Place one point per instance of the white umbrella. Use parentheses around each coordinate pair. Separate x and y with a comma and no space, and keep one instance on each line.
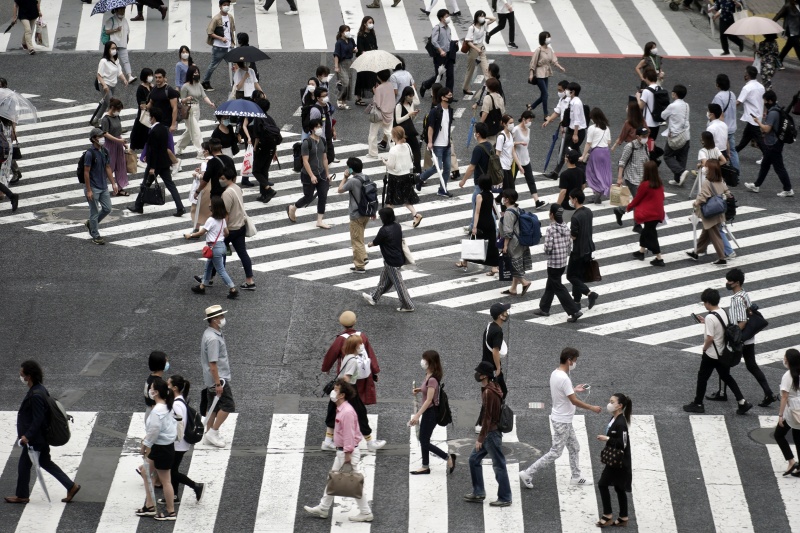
(754,26)
(148,480)
(17,108)
(375,61)
(34,455)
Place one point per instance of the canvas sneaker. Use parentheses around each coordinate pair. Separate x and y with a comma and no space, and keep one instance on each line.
(526,479)
(316,511)
(786,194)
(214,439)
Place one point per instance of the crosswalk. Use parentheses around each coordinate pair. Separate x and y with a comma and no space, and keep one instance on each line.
(294,467)
(637,302)
(578,27)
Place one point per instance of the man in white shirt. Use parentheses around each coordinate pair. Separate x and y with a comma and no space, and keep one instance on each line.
(713,346)
(564,403)
(220,36)
(646,100)
(439,124)
(718,129)
(751,98)
(677,116)
(558,113)
(727,102)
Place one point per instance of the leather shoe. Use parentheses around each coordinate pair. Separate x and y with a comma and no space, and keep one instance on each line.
(14,499)
(71,493)
(134,210)
(179,213)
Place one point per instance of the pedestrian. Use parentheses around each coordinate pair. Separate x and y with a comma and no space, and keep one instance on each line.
(428,414)
(577,118)
(541,68)
(597,155)
(739,312)
(366,41)
(221,37)
(676,151)
(559,112)
(182,66)
(343,52)
(562,394)
(404,114)
(225,134)
(323,110)
(727,102)
(108,74)
(494,348)
(152,4)
(790,13)
(505,14)
(445,52)
(790,400)
(751,99)
(650,59)
(199,210)
(520,254)
(400,79)
(383,99)
(767,54)
(390,240)
(118,31)
(265,148)
(236,236)
(522,136)
(631,164)
(645,97)
(353,181)
(243,39)
(32,425)
(245,81)
(634,120)
(572,178)
(772,147)
(708,152)
(216,376)
(215,167)
(504,148)
(180,390)
(158,164)
(713,345)
(314,175)
(214,229)
(557,247)
(115,145)
(440,122)
(6,165)
(292,7)
(718,129)
(713,185)
(489,442)
(346,438)
(192,93)
(476,35)
(165,99)
(616,437)
(492,109)
(158,447)
(139,131)
(96,170)
(27,11)
(452,3)
(723,11)
(158,364)
(12,135)
(478,166)
(649,213)
(582,248)
(484,226)
(400,175)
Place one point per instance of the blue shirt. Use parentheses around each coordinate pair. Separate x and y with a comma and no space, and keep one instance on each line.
(97,160)
(344,49)
(180,73)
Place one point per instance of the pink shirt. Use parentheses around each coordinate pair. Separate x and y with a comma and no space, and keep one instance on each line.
(346,433)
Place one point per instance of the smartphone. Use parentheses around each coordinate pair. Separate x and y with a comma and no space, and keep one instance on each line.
(696,318)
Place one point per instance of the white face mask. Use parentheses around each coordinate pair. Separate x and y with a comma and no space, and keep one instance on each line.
(325,100)
(348,35)
(318,132)
(561,94)
(573,364)
(184,56)
(166,367)
(446,20)
(481,20)
(113,52)
(152,394)
(222,323)
(510,126)
(149,79)
(120,15)
(225,9)
(223,183)
(22,379)
(653,51)
(370,26)
(101,141)
(334,396)
(547,41)
(424,364)
(572,204)
(611,408)
(311,88)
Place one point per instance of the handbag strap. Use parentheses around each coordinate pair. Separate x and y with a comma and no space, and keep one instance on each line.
(222,227)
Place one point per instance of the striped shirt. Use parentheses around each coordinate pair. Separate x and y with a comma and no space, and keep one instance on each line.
(740,303)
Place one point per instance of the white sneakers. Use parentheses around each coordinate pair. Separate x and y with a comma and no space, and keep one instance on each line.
(317,511)
(579,481)
(328,445)
(213,438)
(526,479)
(362,517)
(751,186)
(683,177)
(291,13)
(786,194)
(368,298)
(373,445)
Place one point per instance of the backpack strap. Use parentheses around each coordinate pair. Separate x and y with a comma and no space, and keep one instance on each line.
(713,342)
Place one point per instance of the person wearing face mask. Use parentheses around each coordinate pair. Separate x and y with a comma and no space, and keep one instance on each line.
(314,175)
(216,231)
(225,134)
(676,151)
(504,148)
(343,52)
(244,81)
(541,68)
(180,389)
(572,178)
(216,166)
(346,437)
(522,135)
(216,376)
(31,432)
(578,118)
(404,114)
(564,399)
(648,208)
(292,7)
(597,155)
(476,35)
(493,348)
(158,447)
(521,260)
(366,41)
(631,163)
(428,413)
(182,66)
(321,109)
(400,179)
(789,412)
(618,476)
(192,93)
(400,79)
(560,113)
(445,52)
(139,132)
(384,101)
(440,120)
(580,227)
(557,247)
(118,31)
(221,36)
(96,170)
(505,14)
(158,364)
(115,145)
(353,182)
(244,40)
(108,74)
(723,11)
(772,147)
(650,59)
(390,240)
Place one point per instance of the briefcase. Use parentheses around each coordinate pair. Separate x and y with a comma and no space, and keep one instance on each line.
(345,482)
(592,272)
(153,194)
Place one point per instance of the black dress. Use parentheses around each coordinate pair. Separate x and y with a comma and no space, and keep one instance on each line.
(617,438)
(365,81)
(412,136)
(487,229)
(139,132)
(228,140)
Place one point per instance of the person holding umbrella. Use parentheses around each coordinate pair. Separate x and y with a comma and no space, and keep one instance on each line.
(27,11)
(31,426)
(118,31)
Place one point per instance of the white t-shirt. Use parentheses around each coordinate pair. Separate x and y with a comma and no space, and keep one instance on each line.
(400,80)
(560,390)
(504,145)
(443,138)
(719,130)
(649,101)
(522,150)
(120,38)
(109,71)
(727,102)
(350,368)
(752,98)
(179,409)
(717,330)
(213,229)
(476,35)
(561,106)
(249,84)
(794,397)
(597,138)
(226,25)
(502,7)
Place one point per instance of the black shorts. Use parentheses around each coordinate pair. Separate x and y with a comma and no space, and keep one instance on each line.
(162,455)
(225,402)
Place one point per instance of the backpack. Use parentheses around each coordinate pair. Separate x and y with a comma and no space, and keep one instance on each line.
(81,165)
(430,48)
(267,131)
(787,132)
(193,425)
(732,350)
(444,414)
(297,154)
(363,363)
(368,202)
(506,422)
(493,118)
(57,432)
(494,169)
(530,229)
(660,102)
(305,116)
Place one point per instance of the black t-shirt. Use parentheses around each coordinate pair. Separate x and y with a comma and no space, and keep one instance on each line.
(480,158)
(214,170)
(389,238)
(160,97)
(572,178)
(492,338)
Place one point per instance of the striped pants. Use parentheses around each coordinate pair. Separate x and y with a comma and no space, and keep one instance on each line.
(391,277)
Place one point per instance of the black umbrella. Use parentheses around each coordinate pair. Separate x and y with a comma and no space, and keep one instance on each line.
(249,54)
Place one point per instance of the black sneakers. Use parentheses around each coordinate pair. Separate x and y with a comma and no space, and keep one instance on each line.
(592,298)
(744,407)
(207,86)
(694,408)
(768,400)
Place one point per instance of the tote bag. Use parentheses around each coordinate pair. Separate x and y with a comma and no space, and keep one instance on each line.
(473,249)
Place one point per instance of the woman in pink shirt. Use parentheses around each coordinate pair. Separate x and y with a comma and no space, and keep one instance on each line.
(429,412)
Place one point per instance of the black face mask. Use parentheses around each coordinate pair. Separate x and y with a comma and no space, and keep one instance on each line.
(729,286)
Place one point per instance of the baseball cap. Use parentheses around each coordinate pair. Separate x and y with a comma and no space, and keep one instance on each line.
(498,309)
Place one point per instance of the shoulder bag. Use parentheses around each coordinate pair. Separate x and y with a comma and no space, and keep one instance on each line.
(250,227)
(329,386)
(676,142)
(153,194)
(714,206)
(611,456)
(208,251)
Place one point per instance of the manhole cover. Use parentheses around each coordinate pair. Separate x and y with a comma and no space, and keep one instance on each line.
(765,436)
(70,215)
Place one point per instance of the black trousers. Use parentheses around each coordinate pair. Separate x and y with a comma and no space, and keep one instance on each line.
(262,159)
(773,158)
(527,171)
(360,409)
(321,188)
(236,238)
(622,498)
(724,24)
(576,271)
(449,66)
(45,462)
(780,438)
(791,42)
(291,3)
(648,239)
(568,143)
(749,356)
(750,133)
(555,287)
(176,476)
(502,18)
(413,143)
(707,367)
(166,177)
(5,190)
(426,426)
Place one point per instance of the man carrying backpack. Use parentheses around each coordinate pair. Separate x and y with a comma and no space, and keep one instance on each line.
(96,170)
(354,182)
(265,148)
(775,135)
(32,422)
(652,101)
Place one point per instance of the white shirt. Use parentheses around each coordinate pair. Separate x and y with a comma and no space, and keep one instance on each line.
(179,409)
(597,138)
(120,38)
(793,400)
(704,155)
(109,71)
(505,144)
(522,150)
(577,118)
(560,390)
(561,106)
(727,102)
(214,230)
(677,116)
(443,138)
(249,84)
(649,101)
(752,98)
(400,80)
(503,7)
(717,330)
(400,161)
(476,35)
(226,25)
(719,130)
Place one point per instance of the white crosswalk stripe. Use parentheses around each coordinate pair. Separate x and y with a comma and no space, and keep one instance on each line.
(427,504)
(401,28)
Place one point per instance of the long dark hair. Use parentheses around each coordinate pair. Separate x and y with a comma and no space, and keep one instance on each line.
(387,216)
(647,47)
(181,50)
(651,175)
(363,29)
(634,116)
(434,364)
(180,383)
(107,52)
(627,405)
(793,358)
(713,171)
(190,73)
(599,118)
(164,392)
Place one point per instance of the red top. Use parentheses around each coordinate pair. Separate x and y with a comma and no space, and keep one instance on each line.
(365,387)
(648,204)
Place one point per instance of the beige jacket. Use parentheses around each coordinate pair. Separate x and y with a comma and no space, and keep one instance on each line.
(542,62)
(708,190)
(216,21)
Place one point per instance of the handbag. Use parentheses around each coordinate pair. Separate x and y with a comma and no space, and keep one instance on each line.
(465,47)
(504,268)
(345,482)
(131,163)
(153,194)
(755,323)
(676,142)
(42,37)
(592,274)
(208,251)
(144,116)
(332,383)
(612,457)
(250,228)
(716,205)
(247,162)
(741,14)
(473,249)
(619,196)
(407,253)
(375,115)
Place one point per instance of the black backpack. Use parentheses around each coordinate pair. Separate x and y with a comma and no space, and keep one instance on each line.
(787,132)
(506,422)
(193,428)
(305,116)
(734,345)
(444,415)
(297,154)
(57,432)
(368,203)
(493,118)
(79,172)
(660,102)
(267,131)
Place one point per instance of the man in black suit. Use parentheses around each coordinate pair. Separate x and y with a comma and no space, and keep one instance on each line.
(158,163)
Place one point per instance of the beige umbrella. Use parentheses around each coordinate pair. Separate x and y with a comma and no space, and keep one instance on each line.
(375,61)
(754,26)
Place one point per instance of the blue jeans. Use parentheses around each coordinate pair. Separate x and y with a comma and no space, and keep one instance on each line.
(218,262)
(734,155)
(102,197)
(542,84)
(217,55)
(442,154)
(725,242)
(493,447)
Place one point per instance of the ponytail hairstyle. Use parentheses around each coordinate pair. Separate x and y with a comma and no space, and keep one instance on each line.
(793,358)
(164,392)
(180,383)
(627,405)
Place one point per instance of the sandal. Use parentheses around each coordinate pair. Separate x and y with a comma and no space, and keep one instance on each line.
(604,521)
(417,219)
(491,273)
(461,264)
(146,511)
(122,192)
(171,517)
(508,292)
(619,522)
(525,288)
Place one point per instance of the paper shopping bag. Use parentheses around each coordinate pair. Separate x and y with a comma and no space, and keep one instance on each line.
(474,249)
(247,162)
(620,196)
